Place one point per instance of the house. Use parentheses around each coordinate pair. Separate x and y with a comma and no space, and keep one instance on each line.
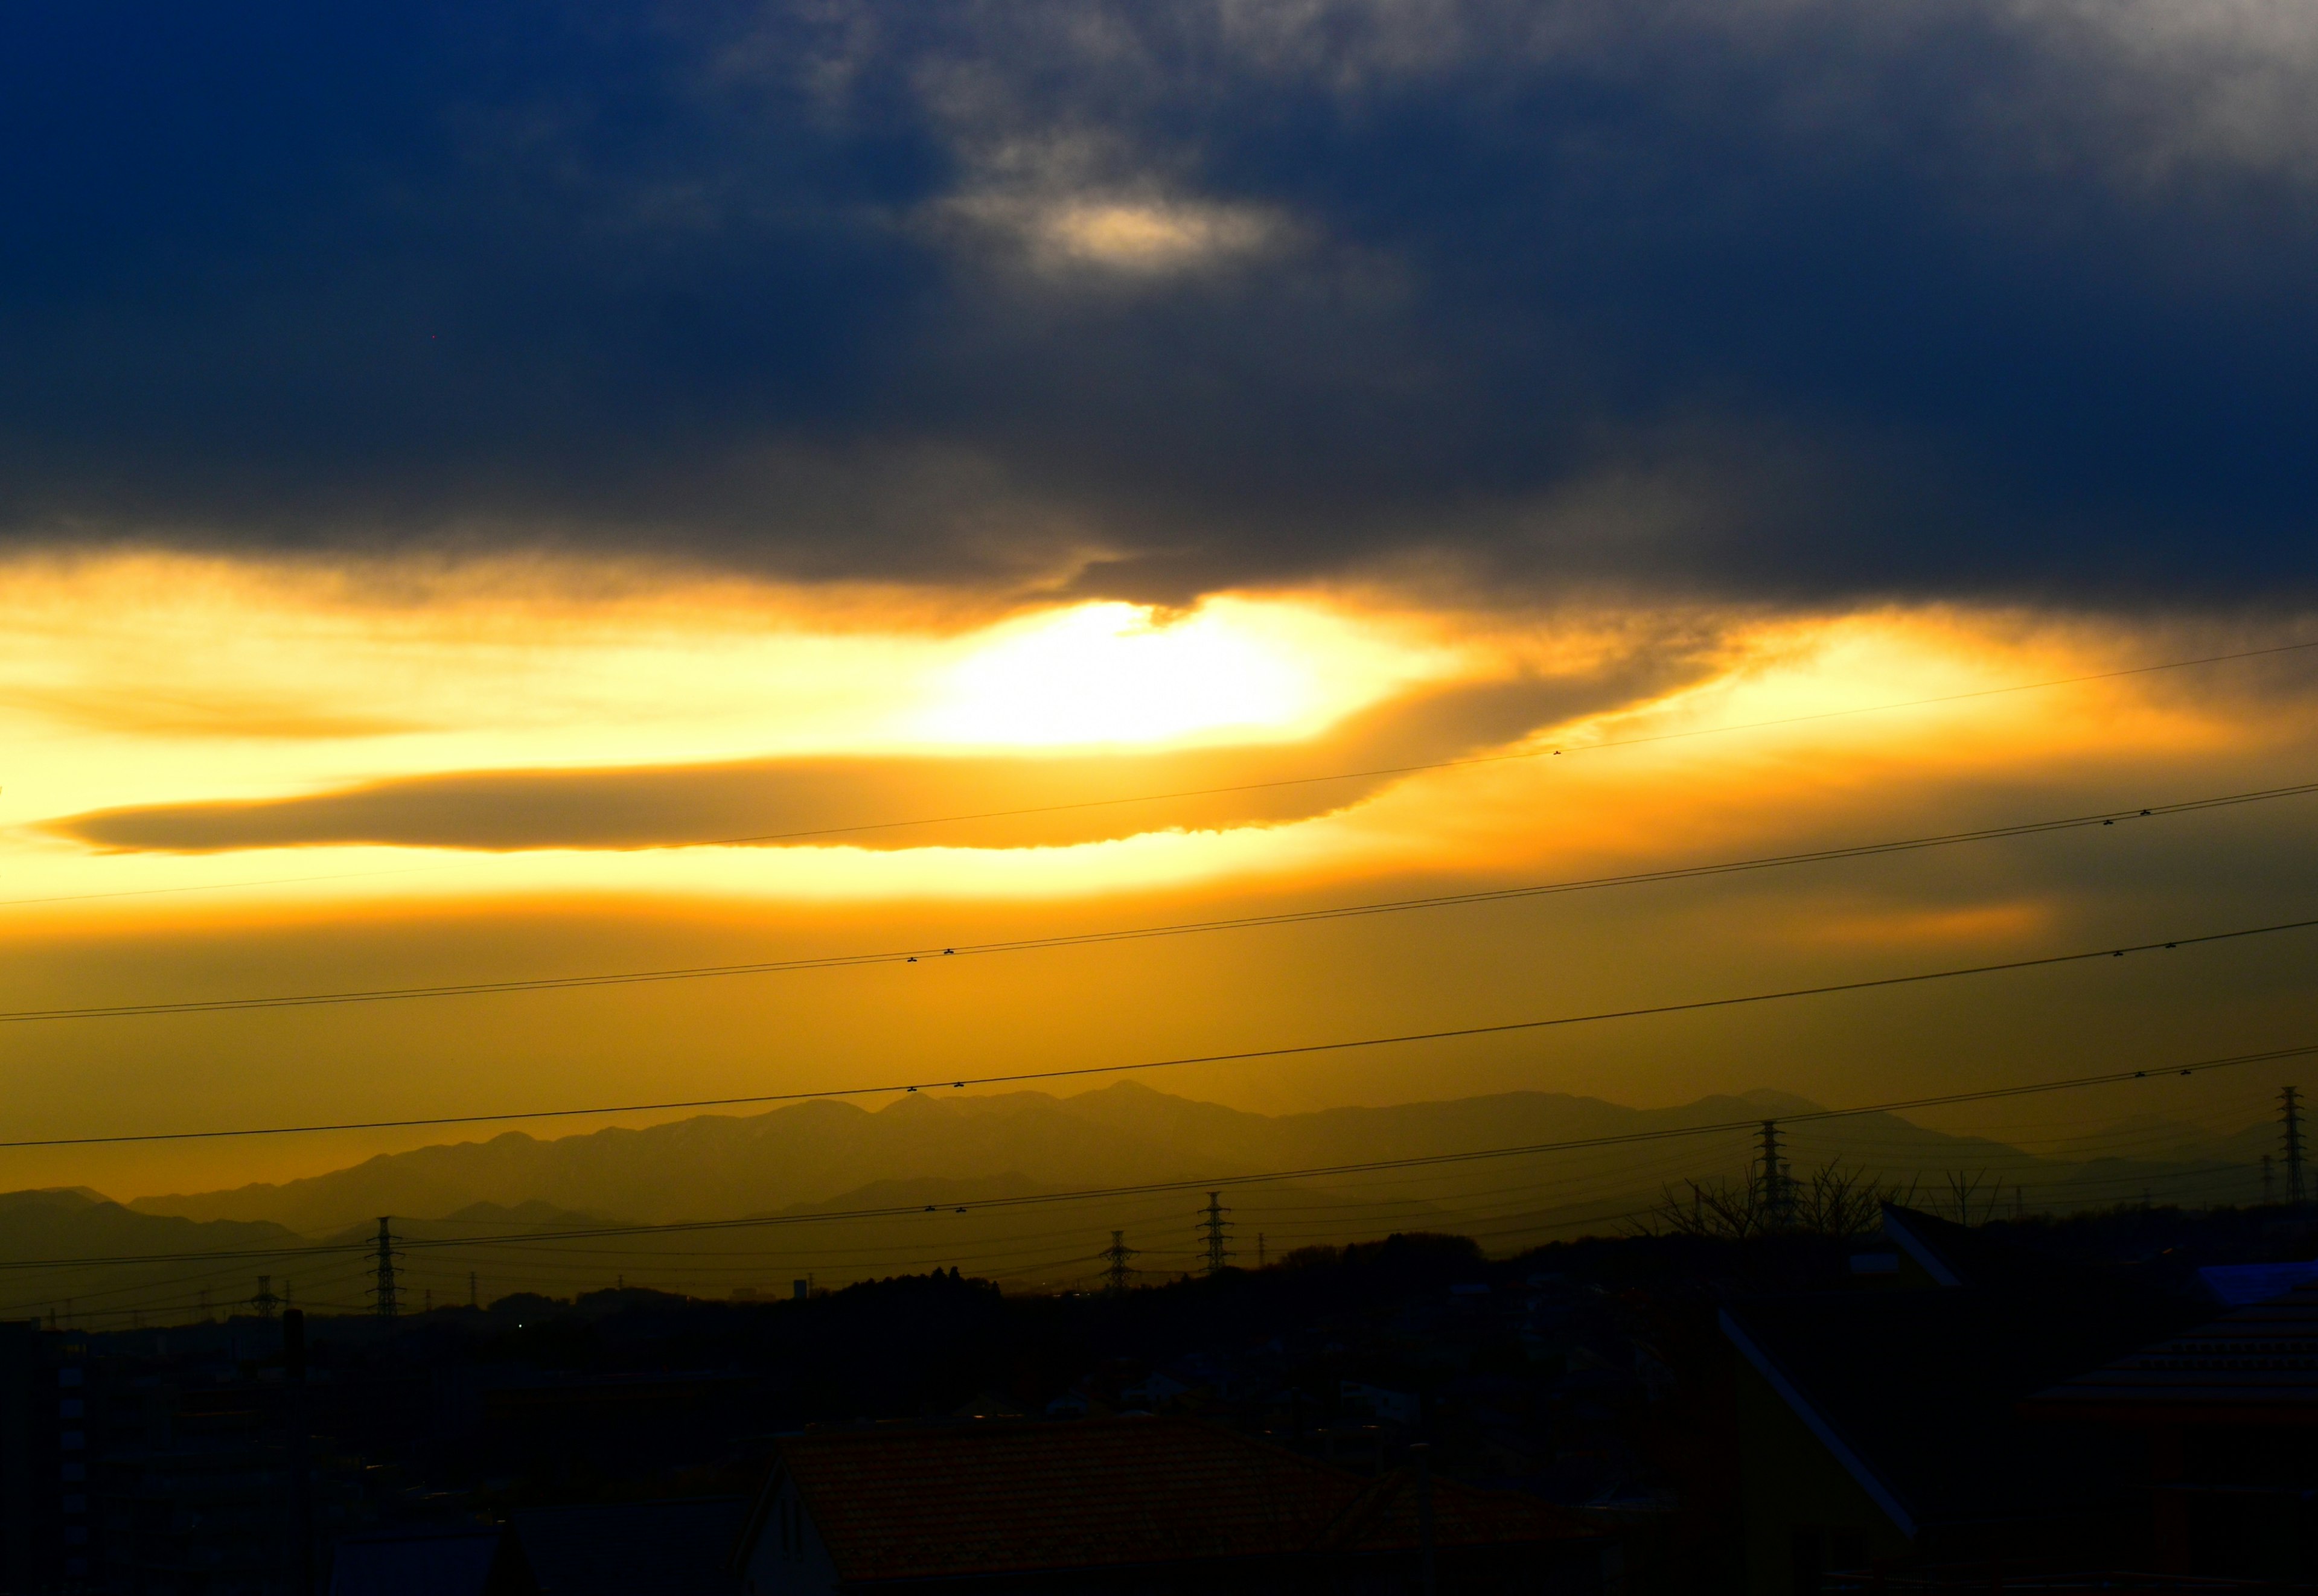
(1929,1250)
(677,1547)
(44,1425)
(2223,1420)
(453,1562)
(1884,1427)
(1151,1505)
(1376,1401)
(2235,1284)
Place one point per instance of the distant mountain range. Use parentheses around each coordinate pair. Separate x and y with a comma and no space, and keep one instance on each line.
(721,1166)
(74,1222)
(830,1191)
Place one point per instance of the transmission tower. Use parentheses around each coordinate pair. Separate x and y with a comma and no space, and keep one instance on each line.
(2290,1101)
(1215,1228)
(1116,1270)
(266,1302)
(386,1296)
(1774,1193)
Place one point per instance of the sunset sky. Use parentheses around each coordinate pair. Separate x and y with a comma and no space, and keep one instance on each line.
(489,493)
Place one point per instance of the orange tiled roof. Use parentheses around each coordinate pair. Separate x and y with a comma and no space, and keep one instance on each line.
(949,1501)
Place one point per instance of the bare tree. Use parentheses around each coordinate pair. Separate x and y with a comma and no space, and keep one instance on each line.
(1842,1203)
(1973,1205)
(1832,1201)
(1732,1211)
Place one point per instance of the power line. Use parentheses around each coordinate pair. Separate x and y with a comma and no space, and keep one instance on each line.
(1502,1027)
(1141,933)
(1537,753)
(1322,1215)
(1450,1034)
(1215,1182)
(1564,1215)
(1463,1215)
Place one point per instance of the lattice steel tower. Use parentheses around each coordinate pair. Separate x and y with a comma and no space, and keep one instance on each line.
(1116,1270)
(1216,1229)
(386,1296)
(1776,1198)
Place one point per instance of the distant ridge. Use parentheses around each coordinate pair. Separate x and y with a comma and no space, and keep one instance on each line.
(72,1221)
(722,1166)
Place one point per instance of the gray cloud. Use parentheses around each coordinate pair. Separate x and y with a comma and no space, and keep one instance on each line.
(855,802)
(1779,297)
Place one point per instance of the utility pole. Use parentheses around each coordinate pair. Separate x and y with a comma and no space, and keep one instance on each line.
(1775,1178)
(2291,1101)
(301,1480)
(470,1290)
(1215,1225)
(1427,1569)
(386,1296)
(1116,1255)
(1259,1249)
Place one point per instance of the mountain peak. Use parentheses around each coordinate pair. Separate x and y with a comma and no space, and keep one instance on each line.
(55,1196)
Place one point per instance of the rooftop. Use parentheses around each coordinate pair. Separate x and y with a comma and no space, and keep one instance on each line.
(1918,1392)
(2258,1363)
(918,1502)
(674,1547)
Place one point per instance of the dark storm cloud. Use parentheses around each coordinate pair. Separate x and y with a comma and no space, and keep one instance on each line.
(857,801)
(1782,297)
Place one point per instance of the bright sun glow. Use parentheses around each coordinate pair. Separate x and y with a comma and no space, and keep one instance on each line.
(1107,673)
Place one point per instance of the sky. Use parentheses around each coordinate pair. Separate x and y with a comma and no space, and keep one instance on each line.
(500,491)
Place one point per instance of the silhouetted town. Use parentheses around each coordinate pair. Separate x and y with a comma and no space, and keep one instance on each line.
(2120,1400)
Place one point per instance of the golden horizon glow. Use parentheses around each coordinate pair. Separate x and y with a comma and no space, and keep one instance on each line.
(1115,673)
(1687,736)
(96,706)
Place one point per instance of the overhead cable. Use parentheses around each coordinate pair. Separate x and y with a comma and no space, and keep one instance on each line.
(929,953)
(1018,1077)
(1197,1183)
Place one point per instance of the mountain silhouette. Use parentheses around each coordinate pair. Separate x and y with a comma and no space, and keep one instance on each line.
(725,1166)
(825,1192)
